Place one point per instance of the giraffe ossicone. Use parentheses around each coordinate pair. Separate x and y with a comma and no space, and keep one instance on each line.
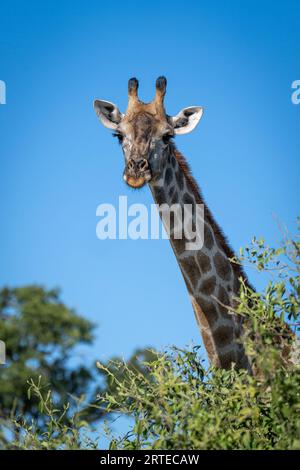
(146,133)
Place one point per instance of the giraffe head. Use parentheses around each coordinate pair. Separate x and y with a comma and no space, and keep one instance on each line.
(145,130)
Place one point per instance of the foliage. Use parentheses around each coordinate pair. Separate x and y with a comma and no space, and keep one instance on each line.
(175,402)
(182,405)
(41,334)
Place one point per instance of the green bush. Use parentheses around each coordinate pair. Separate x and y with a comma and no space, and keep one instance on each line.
(176,402)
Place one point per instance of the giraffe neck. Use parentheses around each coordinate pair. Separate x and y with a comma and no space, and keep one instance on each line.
(211,279)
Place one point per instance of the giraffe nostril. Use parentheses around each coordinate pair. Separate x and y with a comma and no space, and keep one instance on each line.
(143,164)
(130,165)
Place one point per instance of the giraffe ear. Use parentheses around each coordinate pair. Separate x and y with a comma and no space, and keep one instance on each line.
(188,118)
(108,113)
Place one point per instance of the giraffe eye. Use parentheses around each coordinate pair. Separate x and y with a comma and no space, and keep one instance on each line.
(119,136)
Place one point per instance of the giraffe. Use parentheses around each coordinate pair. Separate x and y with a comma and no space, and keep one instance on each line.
(146,133)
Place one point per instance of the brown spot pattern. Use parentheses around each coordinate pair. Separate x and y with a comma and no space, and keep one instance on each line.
(160,196)
(222,266)
(174,198)
(209,309)
(179,179)
(171,191)
(224,299)
(204,262)
(179,245)
(208,285)
(168,176)
(223,336)
(227,359)
(191,270)
(187,199)
(208,237)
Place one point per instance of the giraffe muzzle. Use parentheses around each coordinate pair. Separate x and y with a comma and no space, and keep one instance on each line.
(137,172)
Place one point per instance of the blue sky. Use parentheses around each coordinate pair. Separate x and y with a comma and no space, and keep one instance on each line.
(57,163)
